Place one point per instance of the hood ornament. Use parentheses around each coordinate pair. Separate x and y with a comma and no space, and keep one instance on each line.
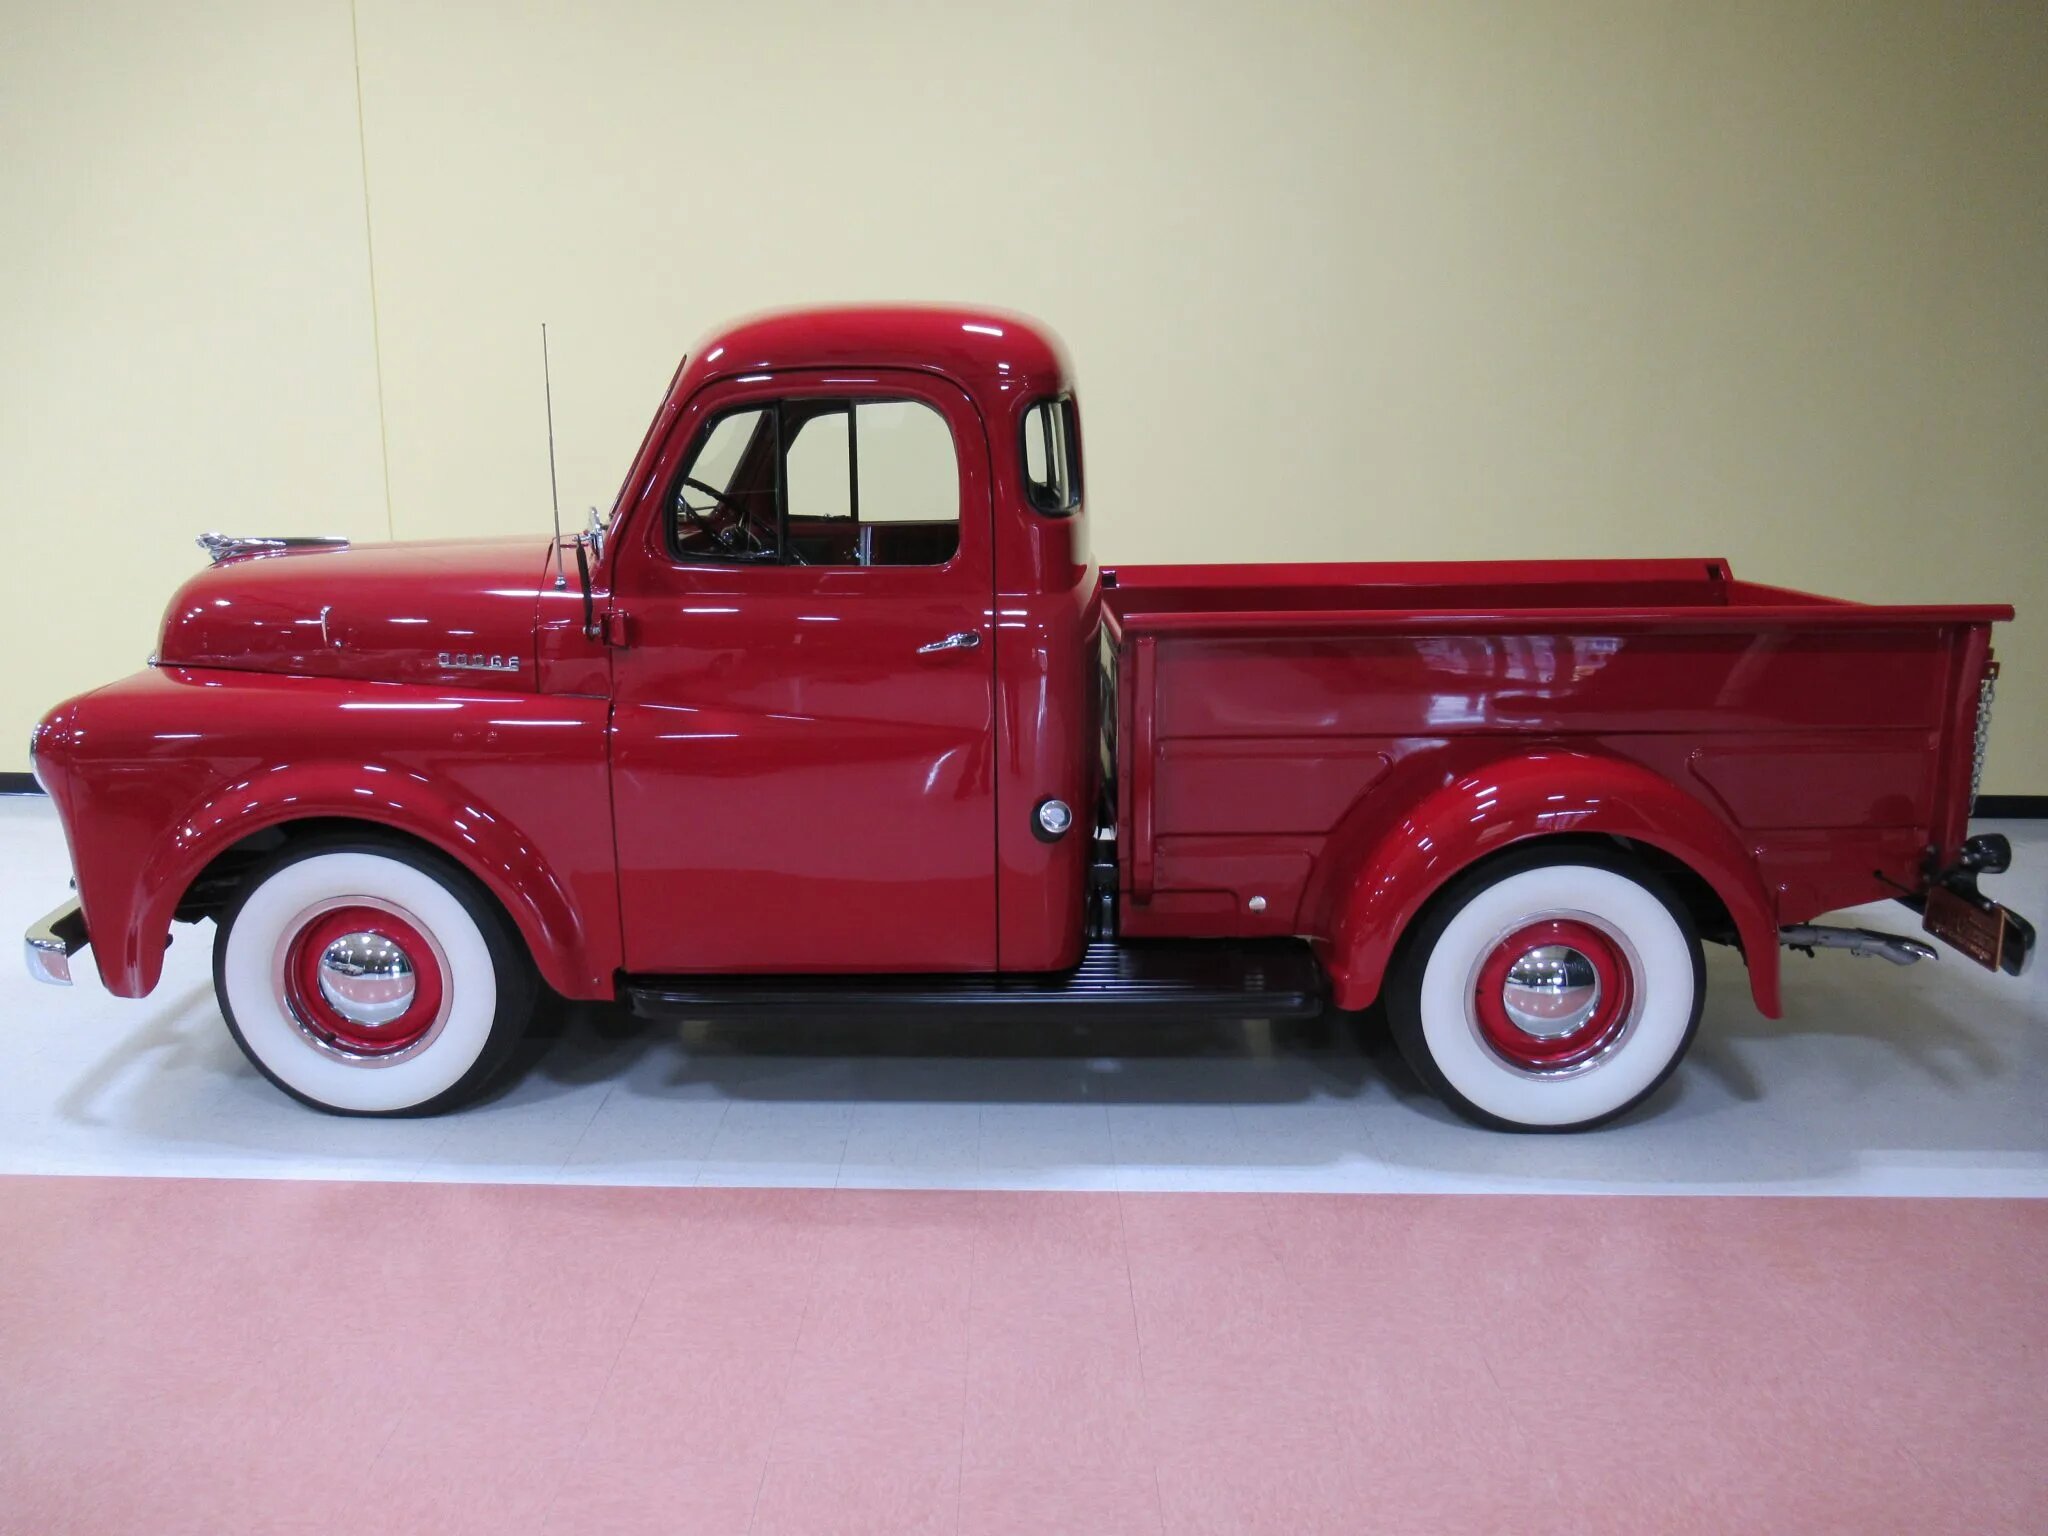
(228,546)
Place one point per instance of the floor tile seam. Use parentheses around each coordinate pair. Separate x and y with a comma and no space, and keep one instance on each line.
(790,1358)
(1138,1350)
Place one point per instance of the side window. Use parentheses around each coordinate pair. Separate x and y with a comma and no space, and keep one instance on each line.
(719,459)
(907,470)
(820,465)
(822,482)
(724,505)
(1052,478)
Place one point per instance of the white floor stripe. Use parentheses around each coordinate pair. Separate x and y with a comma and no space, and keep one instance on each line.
(1880,1081)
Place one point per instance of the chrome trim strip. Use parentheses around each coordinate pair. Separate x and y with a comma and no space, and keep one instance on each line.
(48,945)
(228,546)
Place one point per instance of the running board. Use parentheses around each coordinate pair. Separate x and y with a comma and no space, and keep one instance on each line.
(1166,982)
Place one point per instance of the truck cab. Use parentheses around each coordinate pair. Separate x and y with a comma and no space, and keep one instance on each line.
(852,581)
(837,711)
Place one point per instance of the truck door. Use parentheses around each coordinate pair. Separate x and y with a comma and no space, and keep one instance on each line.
(802,742)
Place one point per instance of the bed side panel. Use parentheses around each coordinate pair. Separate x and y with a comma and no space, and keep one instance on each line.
(1246,755)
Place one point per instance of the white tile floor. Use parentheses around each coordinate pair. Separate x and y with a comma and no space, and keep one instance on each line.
(1926,1081)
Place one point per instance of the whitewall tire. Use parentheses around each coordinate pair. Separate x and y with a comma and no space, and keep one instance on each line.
(1552,989)
(372,979)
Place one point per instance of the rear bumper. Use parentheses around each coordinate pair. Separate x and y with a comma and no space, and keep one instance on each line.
(1953,910)
(49,945)
(2019,949)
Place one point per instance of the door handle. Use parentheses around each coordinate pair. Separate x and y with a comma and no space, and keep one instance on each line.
(960,640)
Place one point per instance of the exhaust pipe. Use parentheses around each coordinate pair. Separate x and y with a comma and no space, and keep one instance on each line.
(1858,941)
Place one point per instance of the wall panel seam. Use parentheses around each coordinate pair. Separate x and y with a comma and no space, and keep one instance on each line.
(370,257)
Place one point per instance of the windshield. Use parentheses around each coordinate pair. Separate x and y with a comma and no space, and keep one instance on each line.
(619,498)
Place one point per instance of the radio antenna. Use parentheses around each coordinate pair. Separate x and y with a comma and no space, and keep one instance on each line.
(554,493)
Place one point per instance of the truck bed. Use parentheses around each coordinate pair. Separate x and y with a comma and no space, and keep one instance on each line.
(1258,716)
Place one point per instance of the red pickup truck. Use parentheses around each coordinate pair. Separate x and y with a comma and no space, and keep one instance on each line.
(837,711)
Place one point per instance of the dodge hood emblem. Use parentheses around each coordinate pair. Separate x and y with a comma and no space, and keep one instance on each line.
(477,661)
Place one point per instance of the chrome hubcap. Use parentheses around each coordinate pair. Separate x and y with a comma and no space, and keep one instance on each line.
(366,978)
(1550,991)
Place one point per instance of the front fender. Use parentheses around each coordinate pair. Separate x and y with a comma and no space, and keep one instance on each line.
(1539,794)
(164,771)
(488,846)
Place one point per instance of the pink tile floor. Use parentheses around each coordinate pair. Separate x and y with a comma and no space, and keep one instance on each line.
(234,1355)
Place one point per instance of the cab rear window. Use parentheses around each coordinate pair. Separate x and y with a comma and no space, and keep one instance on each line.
(1052,470)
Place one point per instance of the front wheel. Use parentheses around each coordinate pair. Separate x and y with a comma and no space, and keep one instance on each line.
(370,979)
(1548,991)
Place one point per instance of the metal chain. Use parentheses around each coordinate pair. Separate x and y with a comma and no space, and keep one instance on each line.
(1985,690)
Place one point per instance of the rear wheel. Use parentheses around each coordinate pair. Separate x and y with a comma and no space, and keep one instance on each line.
(372,979)
(1548,990)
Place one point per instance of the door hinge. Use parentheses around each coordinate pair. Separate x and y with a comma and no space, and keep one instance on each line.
(617,632)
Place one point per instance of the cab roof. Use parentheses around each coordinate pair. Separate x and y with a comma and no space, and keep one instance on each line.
(990,352)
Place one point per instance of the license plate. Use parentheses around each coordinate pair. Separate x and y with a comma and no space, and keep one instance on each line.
(1978,932)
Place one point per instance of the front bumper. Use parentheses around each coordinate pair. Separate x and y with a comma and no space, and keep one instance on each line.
(49,945)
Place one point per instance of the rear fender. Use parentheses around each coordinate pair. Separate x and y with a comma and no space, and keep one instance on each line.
(1513,800)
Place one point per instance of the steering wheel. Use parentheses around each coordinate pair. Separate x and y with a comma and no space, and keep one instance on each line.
(737,535)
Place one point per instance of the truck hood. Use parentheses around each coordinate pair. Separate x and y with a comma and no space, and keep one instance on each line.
(454,611)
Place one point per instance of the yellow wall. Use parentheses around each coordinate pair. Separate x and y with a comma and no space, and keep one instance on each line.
(1767,281)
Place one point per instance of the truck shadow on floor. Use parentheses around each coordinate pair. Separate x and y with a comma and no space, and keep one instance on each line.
(1937,1033)
(994,1061)
(1853,1073)
(176,1039)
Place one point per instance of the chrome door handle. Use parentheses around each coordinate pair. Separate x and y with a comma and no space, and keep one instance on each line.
(961,640)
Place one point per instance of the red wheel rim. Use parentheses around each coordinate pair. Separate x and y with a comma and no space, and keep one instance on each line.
(327,1025)
(1525,974)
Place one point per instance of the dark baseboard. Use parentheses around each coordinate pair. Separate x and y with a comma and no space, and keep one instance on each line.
(2006,806)
(2010,805)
